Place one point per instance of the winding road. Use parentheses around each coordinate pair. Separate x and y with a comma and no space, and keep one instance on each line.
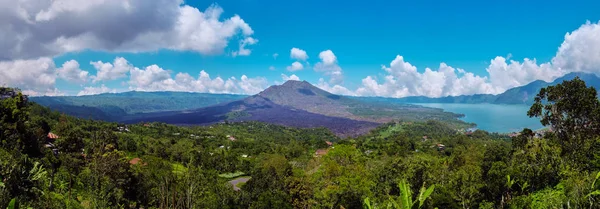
(236,181)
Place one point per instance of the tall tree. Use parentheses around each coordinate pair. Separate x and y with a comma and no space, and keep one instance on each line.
(572,110)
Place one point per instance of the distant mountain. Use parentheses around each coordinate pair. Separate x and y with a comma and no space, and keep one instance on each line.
(300,104)
(113,106)
(258,108)
(526,94)
(518,95)
(304,96)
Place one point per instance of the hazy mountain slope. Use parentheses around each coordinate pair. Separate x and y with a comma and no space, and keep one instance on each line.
(258,108)
(526,94)
(300,104)
(302,95)
(118,105)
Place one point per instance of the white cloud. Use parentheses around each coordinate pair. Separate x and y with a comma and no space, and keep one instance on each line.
(71,72)
(272,68)
(252,85)
(275,56)
(403,80)
(329,66)
(107,71)
(334,89)
(151,78)
(243,43)
(36,76)
(32,29)
(292,77)
(51,92)
(580,51)
(298,54)
(89,90)
(154,78)
(295,66)
(505,74)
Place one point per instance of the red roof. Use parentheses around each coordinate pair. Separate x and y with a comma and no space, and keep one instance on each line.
(135,161)
(329,143)
(52,136)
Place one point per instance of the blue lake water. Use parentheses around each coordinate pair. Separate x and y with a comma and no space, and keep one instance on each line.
(493,117)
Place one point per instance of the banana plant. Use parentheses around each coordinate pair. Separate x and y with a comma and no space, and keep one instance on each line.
(406,199)
(12,204)
(595,192)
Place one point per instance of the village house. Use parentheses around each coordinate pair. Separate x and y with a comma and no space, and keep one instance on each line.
(321,152)
(50,139)
(123,129)
(136,161)
(440,147)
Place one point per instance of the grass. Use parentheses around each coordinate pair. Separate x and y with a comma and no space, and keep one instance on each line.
(231,175)
(391,130)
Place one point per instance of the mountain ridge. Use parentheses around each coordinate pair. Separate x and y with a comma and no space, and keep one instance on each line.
(293,103)
(300,104)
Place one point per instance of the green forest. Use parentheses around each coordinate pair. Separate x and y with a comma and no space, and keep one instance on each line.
(52,160)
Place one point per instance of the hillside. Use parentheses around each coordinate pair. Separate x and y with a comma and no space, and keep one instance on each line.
(303,95)
(300,104)
(95,164)
(258,108)
(113,106)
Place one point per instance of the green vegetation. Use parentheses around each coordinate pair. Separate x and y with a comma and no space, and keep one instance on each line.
(94,164)
(231,175)
(236,114)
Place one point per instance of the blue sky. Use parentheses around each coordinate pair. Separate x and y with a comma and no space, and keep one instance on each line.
(363,36)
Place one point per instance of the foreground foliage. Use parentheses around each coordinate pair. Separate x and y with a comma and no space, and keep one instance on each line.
(94,164)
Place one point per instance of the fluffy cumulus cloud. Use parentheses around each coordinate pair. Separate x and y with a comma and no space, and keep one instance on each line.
(155,78)
(403,79)
(298,54)
(71,72)
(295,66)
(329,66)
(579,52)
(335,89)
(292,77)
(89,90)
(505,74)
(252,85)
(36,76)
(111,71)
(32,29)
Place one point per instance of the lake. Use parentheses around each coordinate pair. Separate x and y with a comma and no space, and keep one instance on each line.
(492,117)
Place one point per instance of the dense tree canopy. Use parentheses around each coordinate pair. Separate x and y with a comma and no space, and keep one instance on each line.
(95,164)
